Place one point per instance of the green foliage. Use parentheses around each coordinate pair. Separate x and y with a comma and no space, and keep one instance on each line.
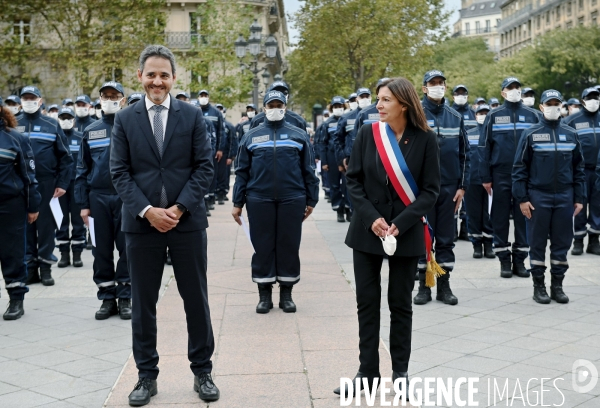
(347,44)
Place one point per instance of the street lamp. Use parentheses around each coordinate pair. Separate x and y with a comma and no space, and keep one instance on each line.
(254,47)
(277,77)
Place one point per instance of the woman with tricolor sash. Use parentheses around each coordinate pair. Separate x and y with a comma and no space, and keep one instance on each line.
(393,181)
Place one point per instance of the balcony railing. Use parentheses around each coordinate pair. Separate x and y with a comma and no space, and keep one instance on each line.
(525,11)
(181,39)
(475,31)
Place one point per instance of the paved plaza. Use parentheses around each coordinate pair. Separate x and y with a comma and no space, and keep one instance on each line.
(57,355)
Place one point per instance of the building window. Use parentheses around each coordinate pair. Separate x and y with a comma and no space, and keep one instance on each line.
(467,28)
(477,28)
(22,31)
(580,4)
(498,22)
(558,13)
(488,25)
(547,18)
(595,18)
(594,2)
(569,24)
(539,22)
(568,8)
(580,21)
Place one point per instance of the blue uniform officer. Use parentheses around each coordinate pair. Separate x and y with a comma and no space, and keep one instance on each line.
(549,185)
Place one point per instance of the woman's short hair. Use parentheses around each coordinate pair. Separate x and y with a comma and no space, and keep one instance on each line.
(405,93)
(7,118)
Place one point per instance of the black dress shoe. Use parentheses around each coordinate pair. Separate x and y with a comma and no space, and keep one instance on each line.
(14,310)
(77,262)
(108,309)
(205,387)
(142,392)
(399,374)
(361,386)
(125,309)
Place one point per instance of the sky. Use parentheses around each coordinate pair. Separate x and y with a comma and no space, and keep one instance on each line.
(293,5)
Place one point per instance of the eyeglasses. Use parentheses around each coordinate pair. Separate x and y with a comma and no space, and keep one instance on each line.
(113,98)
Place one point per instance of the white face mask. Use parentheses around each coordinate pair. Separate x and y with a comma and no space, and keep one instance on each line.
(82,112)
(591,105)
(53,115)
(363,103)
(480,119)
(564,111)
(337,112)
(274,115)
(552,112)
(389,244)
(251,114)
(66,124)
(353,105)
(30,106)
(203,101)
(15,109)
(111,107)
(461,99)
(514,95)
(436,92)
(529,101)
(575,110)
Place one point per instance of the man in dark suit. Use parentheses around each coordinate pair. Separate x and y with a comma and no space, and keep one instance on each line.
(161,166)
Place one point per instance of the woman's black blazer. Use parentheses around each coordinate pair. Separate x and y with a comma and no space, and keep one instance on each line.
(373,198)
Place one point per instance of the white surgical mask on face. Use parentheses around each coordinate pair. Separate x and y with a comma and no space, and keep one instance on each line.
(15,109)
(591,105)
(552,112)
(82,112)
(53,115)
(98,113)
(436,92)
(353,105)
(111,107)
(274,115)
(251,114)
(203,101)
(461,99)
(514,95)
(30,106)
(564,111)
(66,124)
(338,112)
(363,103)
(529,101)
(480,119)
(575,110)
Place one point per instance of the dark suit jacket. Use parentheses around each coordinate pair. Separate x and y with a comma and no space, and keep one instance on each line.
(138,172)
(373,198)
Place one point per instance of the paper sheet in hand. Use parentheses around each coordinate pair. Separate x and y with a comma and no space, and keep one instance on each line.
(319,166)
(490,196)
(56,211)
(246,231)
(92,230)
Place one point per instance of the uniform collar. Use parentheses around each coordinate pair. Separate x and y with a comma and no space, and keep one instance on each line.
(34,115)
(512,105)
(432,106)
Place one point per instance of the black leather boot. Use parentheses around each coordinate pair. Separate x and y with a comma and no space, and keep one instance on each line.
(46,275)
(593,245)
(488,251)
(265,296)
(506,269)
(221,199)
(211,202)
(33,275)
(65,259)
(142,392)
(519,269)
(424,294)
(125,309)
(89,242)
(340,216)
(77,262)
(478,251)
(348,215)
(539,290)
(556,290)
(361,386)
(399,374)
(444,293)
(107,309)
(577,247)
(205,387)
(14,310)
(285,299)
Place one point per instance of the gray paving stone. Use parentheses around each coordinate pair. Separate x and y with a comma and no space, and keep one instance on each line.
(67,389)
(84,366)
(477,364)
(92,399)
(52,358)
(24,350)
(33,378)
(24,399)
(7,388)
(116,357)
(60,404)
(106,377)
(39,335)
(489,336)
(503,353)
(95,348)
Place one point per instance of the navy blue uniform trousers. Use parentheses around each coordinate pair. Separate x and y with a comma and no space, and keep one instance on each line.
(276,231)
(553,215)
(40,234)
(590,215)
(479,224)
(147,254)
(113,282)
(222,176)
(502,202)
(13,219)
(337,184)
(66,238)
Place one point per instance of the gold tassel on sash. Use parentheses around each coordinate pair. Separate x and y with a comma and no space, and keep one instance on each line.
(434,270)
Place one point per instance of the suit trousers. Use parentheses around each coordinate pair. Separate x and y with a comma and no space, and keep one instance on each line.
(478,219)
(13,218)
(367,273)
(146,254)
(65,238)
(40,234)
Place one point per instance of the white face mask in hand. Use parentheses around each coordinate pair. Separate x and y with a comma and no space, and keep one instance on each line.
(389,244)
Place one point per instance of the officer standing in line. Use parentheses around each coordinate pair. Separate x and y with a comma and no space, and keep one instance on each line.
(343,135)
(275,178)
(479,101)
(53,112)
(574,106)
(83,104)
(134,97)
(460,94)
(228,155)
(549,185)
(97,197)
(318,136)
(564,110)
(329,163)
(53,173)
(243,127)
(183,96)
(476,198)
(454,166)
(212,134)
(19,205)
(352,102)
(494,103)
(71,211)
(13,104)
(528,97)
(501,133)
(213,115)
(291,117)
(587,126)
(97,110)
(68,103)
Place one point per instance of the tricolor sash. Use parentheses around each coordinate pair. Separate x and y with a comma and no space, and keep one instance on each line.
(404,183)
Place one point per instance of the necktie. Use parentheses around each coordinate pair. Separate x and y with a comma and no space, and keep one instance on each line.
(158,137)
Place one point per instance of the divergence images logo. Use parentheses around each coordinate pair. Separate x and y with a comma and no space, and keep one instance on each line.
(585,376)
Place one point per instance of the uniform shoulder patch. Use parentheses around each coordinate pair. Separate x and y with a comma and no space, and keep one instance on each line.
(260,139)
(541,137)
(21,129)
(97,134)
(583,125)
(502,119)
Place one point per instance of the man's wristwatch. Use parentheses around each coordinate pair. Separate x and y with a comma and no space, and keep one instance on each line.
(181,207)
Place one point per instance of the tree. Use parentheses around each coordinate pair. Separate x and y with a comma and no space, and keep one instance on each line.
(347,44)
